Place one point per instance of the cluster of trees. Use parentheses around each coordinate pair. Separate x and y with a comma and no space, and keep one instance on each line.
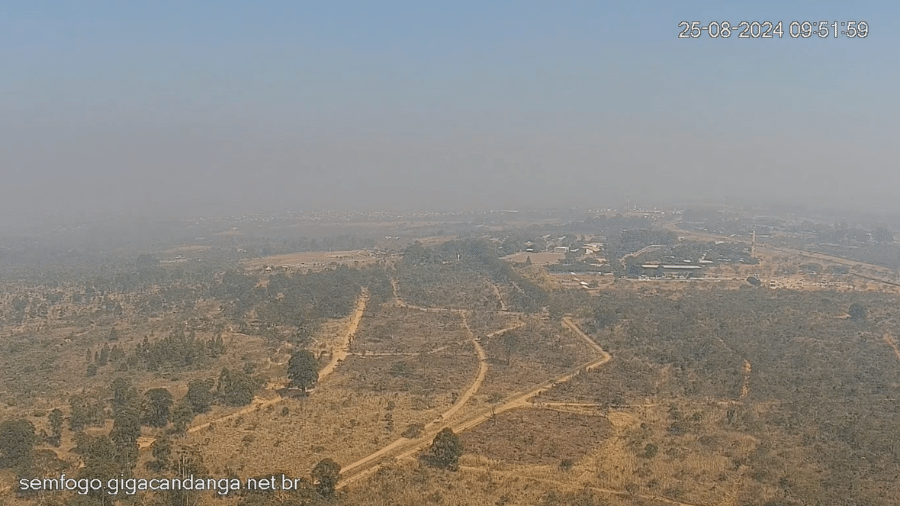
(157,407)
(235,388)
(297,299)
(179,351)
(827,378)
(289,298)
(17,440)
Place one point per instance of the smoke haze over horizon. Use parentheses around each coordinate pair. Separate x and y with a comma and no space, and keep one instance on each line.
(211,108)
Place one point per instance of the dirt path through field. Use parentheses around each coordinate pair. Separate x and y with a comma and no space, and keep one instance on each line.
(338,355)
(479,378)
(890,340)
(403,448)
(499,296)
(463,399)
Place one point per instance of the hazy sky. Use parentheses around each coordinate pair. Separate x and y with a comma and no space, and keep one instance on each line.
(215,107)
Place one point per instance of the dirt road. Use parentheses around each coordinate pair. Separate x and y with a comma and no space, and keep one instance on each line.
(479,378)
(404,448)
(339,354)
(463,399)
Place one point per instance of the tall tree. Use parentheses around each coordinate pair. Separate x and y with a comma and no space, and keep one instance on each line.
(182,416)
(102,460)
(199,395)
(510,343)
(156,407)
(125,432)
(162,452)
(303,369)
(236,387)
(123,392)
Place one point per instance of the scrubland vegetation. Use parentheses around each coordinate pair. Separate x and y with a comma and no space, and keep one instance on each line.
(442,374)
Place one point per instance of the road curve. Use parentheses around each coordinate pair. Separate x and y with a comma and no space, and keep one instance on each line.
(404,447)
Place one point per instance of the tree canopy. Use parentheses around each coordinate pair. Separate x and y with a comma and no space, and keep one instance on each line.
(325,476)
(446,449)
(156,408)
(303,369)
(17,439)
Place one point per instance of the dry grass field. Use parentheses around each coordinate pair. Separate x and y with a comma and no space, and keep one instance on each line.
(543,437)
(408,330)
(537,351)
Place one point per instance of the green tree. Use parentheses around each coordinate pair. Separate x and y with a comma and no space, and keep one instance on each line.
(103,358)
(446,449)
(156,407)
(17,439)
(236,387)
(186,462)
(303,369)
(123,392)
(325,476)
(84,413)
(102,460)
(199,395)
(125,432)
(182,416)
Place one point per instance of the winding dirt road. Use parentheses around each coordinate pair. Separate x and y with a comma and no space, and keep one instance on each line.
(405,448)
(479,378)
(463,399)
(339,354)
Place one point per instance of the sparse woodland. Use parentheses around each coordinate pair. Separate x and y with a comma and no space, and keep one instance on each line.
(749,395)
